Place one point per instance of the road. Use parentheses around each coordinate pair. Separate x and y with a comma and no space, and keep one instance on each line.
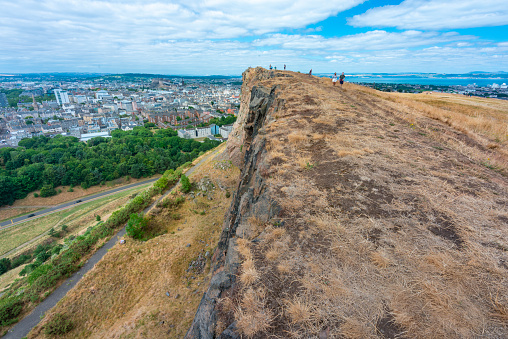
(24,326)
(15,221)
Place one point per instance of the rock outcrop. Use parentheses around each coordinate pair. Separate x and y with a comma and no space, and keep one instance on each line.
(246,146)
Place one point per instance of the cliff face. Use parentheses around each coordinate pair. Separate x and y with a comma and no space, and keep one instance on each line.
(355,216)
(246,148)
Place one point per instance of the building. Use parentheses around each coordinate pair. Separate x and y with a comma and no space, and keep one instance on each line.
(87,136)
(3,100)
(62,97)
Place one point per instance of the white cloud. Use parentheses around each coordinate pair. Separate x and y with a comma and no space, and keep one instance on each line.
(435,14)
(373,40)
(215,37)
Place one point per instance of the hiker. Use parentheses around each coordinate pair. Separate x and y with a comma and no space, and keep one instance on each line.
(270,66)
(334,78)
(341,78)
(284,66)
(310,72)
(275,67)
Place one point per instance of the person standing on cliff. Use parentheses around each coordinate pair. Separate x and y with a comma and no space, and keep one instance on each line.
(284,66)
(334,78)
(310,72)
(270,66)
(341,78)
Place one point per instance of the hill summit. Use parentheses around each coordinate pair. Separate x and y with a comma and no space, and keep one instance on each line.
(361,214)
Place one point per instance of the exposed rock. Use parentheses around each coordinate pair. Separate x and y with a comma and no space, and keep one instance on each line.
(251,198)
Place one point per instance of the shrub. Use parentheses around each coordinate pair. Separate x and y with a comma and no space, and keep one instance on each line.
(9,310)
(64,228)
(47,191)
(20,260)
(186,184)
(136,225)
(98,218)
(53,233)
(5,265)
(58,325)
(36,195)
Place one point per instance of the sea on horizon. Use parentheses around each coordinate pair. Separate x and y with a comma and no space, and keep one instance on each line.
(480,82)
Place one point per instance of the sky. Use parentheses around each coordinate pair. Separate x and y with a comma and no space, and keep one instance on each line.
(207,37)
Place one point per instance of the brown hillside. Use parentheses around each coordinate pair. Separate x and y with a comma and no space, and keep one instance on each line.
(361,214)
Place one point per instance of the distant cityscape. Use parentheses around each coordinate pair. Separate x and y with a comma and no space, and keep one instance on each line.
(90,107)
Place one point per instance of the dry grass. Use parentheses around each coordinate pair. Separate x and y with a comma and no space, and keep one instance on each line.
(252,316)
(299,311)
(399,227)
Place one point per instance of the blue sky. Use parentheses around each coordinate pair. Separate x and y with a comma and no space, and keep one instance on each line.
(203,37)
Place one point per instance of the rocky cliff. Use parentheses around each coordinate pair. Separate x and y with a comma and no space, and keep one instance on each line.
(356,215)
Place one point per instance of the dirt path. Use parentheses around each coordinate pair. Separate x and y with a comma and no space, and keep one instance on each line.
(23,327)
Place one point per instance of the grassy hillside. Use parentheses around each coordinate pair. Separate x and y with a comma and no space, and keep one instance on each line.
(393,214)
(152,288)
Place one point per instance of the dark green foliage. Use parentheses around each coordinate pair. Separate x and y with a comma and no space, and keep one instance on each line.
(58,325)
(47,191)
(186,184)
(10,308)
(64,228)
(20,260)
(225,120)
(136,225)
(98,218)
(45,163)
(5,265)
(53,233)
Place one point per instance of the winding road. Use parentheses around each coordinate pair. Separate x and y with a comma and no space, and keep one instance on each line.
(24,326)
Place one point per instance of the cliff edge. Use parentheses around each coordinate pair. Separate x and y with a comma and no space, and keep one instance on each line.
(360,214)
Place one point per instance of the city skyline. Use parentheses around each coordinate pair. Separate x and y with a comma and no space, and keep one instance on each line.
(224,37)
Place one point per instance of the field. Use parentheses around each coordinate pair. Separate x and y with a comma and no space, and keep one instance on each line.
(152,289)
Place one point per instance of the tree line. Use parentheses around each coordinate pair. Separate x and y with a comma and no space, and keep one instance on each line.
(45,163)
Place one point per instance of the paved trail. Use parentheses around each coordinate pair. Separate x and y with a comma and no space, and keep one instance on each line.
(22,328)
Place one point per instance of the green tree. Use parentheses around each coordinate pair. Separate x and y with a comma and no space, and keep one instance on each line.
(186,184)
(47,191)
(5,265)
(136,225)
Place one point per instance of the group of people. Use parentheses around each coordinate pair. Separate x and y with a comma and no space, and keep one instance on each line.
(334,76)
(341,79)
(276,67)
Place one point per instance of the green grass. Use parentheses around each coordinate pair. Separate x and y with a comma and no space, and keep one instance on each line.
(17,235)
